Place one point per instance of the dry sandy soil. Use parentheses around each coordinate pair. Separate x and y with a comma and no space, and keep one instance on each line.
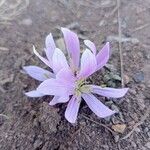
(31,124)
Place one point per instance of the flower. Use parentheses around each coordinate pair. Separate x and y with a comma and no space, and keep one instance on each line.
(67,83)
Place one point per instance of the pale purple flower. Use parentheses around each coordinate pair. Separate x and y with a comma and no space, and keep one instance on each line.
(67,83)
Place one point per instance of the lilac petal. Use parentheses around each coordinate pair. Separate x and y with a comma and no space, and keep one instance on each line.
(90,45)
(38,73)
(66,74)
(72,45)
(108,92)
(59,60)
(88,64)
(54,87)
(48,63)
(50,46)
(103,56)
(34,93)
(57,99)
(72,109)
(96,106)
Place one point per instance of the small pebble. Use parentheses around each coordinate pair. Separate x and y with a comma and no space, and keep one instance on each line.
(27,22)
(102,23)
(116,138)
(133,91)
(137,130)
(146,129)
(139,77)
(126,79)
(147,145)
(37,143)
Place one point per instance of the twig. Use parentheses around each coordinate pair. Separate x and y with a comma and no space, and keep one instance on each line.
(112,12)
(120,48)
(4,49)
(123,39)
(73,136)
(141,27)
(4,116)
(143,118)
(100,124)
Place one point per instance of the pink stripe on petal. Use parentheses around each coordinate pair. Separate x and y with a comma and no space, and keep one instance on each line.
(59,60)
(96,106)
(88,64)
(50,46)
(108,92)
(38,73)
(48,63)
(72,109)
(72,45)
(90,45)
(103,56)
(57,99)
(34,93)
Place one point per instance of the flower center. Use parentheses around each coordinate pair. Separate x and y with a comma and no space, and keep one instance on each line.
(80,87)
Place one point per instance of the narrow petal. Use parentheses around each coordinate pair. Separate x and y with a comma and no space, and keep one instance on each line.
(34,93)
(72,45)
(103,56)
(90,45)
(88,64)
(50,46)
(38,73)
(48,63)
(59,60)
(72,109)
(96,106)
(54,87)
(57,99)
(108,92)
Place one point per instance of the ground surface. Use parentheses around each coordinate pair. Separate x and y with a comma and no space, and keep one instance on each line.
(31,124)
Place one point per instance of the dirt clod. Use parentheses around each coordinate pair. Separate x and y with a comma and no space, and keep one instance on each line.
(120,128)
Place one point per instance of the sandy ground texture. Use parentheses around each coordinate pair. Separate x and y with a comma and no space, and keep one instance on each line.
(31,124)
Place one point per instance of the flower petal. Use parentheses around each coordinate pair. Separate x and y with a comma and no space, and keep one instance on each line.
(72,109)
(66,75)
(96,106)
(34,93)
(109,92)
(88,64)
(54,87)
(103,56)
(38,73)
(90,45)
(50,46)
(48,63)
(72,45)
(57,99)
(59,60)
